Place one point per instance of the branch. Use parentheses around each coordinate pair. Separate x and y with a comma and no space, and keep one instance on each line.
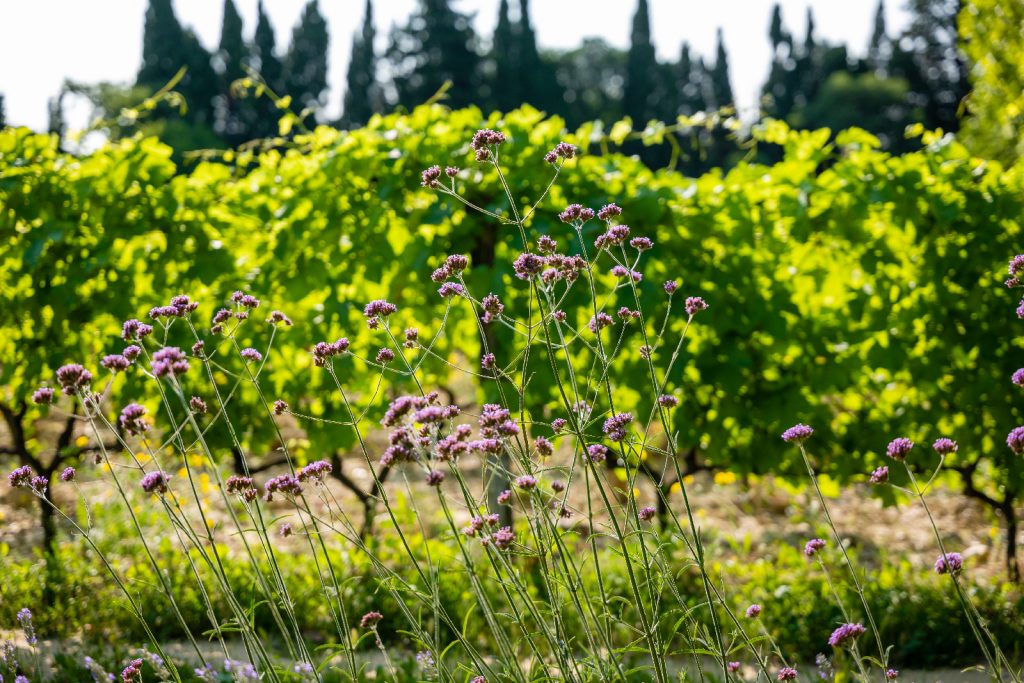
(966,473)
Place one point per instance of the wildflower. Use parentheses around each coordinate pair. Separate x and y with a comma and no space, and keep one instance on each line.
(385,356)
(527,265)
(197,405)
(240,485)
(68,474)
(479,679)
(563,150)
(668,401)
(813,546)
(245,300)
(733,667)
(845,633)
(615,426)
(131,419)
(558,486)
(695,304)
(379,308)
(39,485)
(597,452)
(450,289)
(221,316)
(1020,309)
(370,620)
(251,355)
(641,243)
(1016,265)
(609,211)
(324,350)
(20,476)
(451,171)
(949,563)
(43,396)
(576,212)
(546,245)
(526,482)
(558,315)
(197,349)
(786,673)
(543,446)
(430,176)
(25,620)
(169,361)
(282,483)
(798,433)
(646,513)
(132,672)
(412,336)
(1015,440)
(317,470)
(280,407)
(558,424)
(899,448)
(484,141)
(285,530)
(892,674)
(133,330)
(131,352)
(945,446)
(115,363)
(1018,377)
(488,361)
(503,538)
(435,477)
(599,322)
(880,475)
(492,307)
(754,611)
(670,286)
(619,271)
(155,482)
(504,497)
(277,317)
(72,378)
(613,237)
(426,661)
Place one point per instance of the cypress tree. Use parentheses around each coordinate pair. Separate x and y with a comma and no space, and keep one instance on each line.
(641,68)
(505,66)
(721,88)
(361,99)
(306,63)
(436,45)
(263,60)
(162,45)
(879,40)
(3,112)
(231,56)
(537,82)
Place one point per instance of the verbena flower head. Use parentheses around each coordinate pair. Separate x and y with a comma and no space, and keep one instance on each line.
(558,486)
(670,286)
(609,211)
(73,377)
(641,243)
(317,471)
(950,563)
(133,672)
(115,362)
(385,356)
(1016,266)
(576,213)
(21,476)
(892,674)
(492,307)
(483,142)
(899,448)
(370,620)
(279,318)
(527,265)
(812,546)
(504,497)
(1015,440)
(430,175)
(733,667)
(945,446)
(558,424)
(880,475)
(155,482)
(1018,377)
(753,611)
(845,634)
(646,513)
(615,426)
(251,355)
(282,483)
(434,477)
(131,419)
(798,433)
(197,405)
(786,673)
(526,482)
(597,452)
(451,289)
(280,407)
(285,530)
(543,446)
(169,361)
(695,305)
(133,330)
(43,396)
(379,308)
(68,474)
(503,538)
(668,401)
(599,322)
(245,300)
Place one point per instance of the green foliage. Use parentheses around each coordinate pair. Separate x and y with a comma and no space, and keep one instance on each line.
(991,36)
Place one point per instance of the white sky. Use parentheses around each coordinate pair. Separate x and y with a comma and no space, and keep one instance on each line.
(44,41)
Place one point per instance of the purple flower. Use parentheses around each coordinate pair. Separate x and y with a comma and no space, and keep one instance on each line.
(576,212)
(609,211)
(133,672)
(950,563)
(813,546)
(68,474)
(435,477)
(1018,377)
(671,286)
(754,611)
(1016,265)
(21,476)
(379,308)
(451,171)
(480,679)
(251,355)
(1015,440)
(385,356)
(430,175)
(504,497)
(324,350)
(370,620)
(280,407)
(797,433)
(558,486)
(543,446)
(133,330)
(597,452)
(25,621)
(845,633)
(155,482)
(892,674)
(456,263)
(641,243)
(615,426)
(1020,309)
(526,482)
(282,483)
(43,396)
(786,673)
(488,361)
(197,405)
(316,470)
(945,446)
(197,348)
(695,304)
(527,265)
(169,361)
(668,401)
(492,307)
(485,139)
(285,530)
(450,289)
(131,419)
(733,667)
(558,424)
(880,475)
(277,317)
(73,377)
(503,538)
(115,363)
(647,513)
(899,448)
(599,322)
(131,352)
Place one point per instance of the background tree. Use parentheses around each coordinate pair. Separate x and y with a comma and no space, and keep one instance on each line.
(3,113)
(305,66)
(536,76)
(263,60)
(232,118)
(436,45)
(362,92)
(879,48)
(503,64)
(591,79)
(641,68)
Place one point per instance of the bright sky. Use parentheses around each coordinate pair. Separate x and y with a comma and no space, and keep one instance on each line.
(42,42)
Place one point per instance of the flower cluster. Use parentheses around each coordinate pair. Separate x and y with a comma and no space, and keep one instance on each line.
(169,361)
(155,482)
(563,150)
(949,563)
(485,143)
(316,471)
(797,433)
(845,634)
(283,483)
(242,486)
(179,307)
(812,546)
(899,448)
(323,351)
(131,419)
(615,426)
(72,378)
